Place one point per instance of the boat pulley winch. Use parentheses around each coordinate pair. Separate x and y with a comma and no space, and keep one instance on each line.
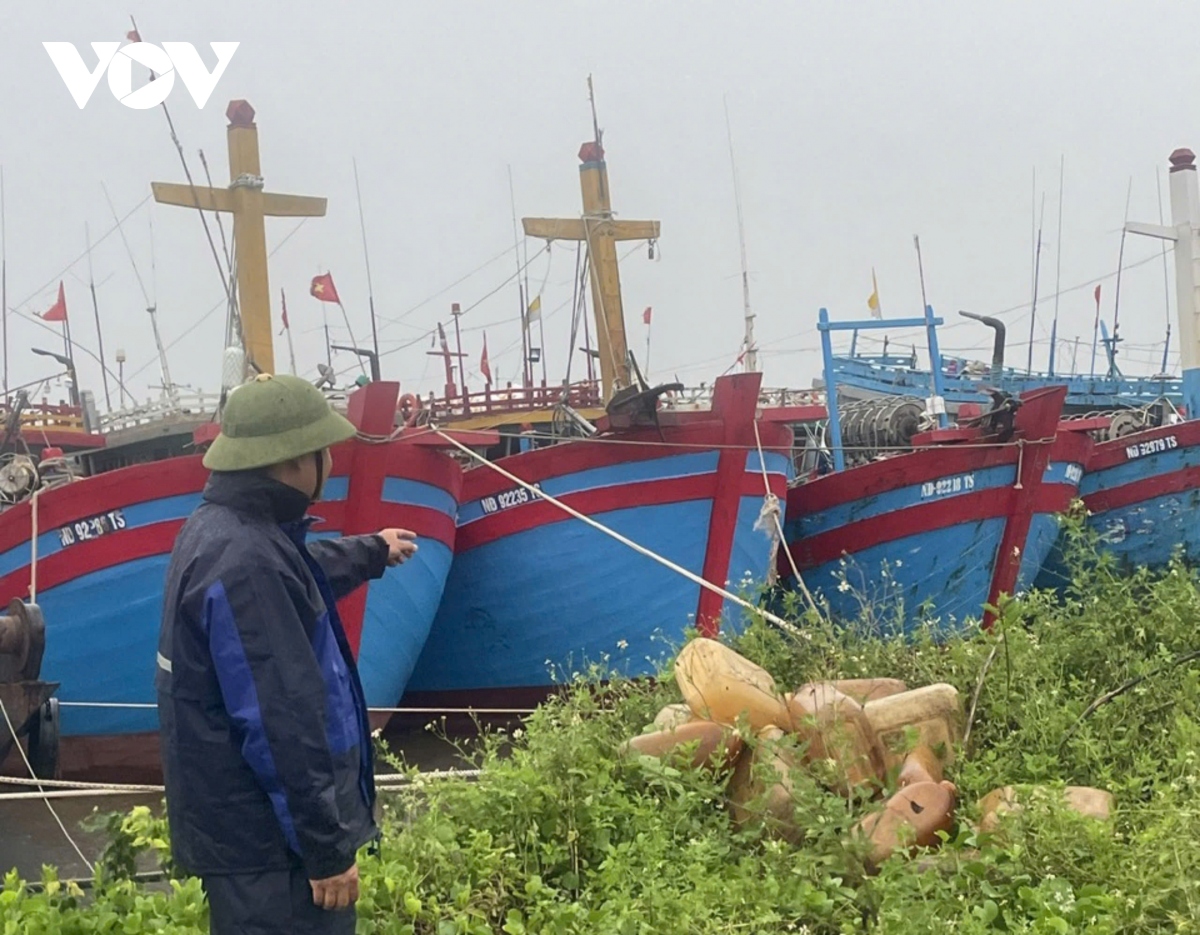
(22,642)
(875,427)
(26,699)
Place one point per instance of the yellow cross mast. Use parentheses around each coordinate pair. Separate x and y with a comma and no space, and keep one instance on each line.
(601,232)
(249,205)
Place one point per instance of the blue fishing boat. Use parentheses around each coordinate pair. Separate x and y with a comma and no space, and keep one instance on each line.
(93,554)
(965,382)
(868,376)
(535,595)
(940,525)
(1142,488)
(92,551)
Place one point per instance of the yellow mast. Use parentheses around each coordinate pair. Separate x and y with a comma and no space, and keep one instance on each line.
(249,205)
(601,232)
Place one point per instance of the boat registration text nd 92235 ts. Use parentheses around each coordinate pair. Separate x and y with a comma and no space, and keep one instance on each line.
(508,499)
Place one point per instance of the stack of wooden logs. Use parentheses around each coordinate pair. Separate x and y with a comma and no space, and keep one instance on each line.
(860,738)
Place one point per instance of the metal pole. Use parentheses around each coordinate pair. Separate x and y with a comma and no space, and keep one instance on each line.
(587,335)
(647,374)
(288,329)
(526,375)
(121,374)
(1053,344)
(96,312)
(751,359)
(1166,276)
(1112,357)
(542,338)
(1037,268)
(367,258)
(462,370)
(831,406)
(935,357)
(1062,169)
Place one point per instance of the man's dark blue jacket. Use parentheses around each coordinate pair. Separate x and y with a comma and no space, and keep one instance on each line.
(265,741)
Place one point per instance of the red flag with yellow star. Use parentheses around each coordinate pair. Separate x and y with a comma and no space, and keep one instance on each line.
(322,288)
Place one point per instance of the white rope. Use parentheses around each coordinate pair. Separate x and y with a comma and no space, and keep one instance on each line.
(76,784)
(136,705)
(33,546)
(613,534)
(782,540)
(41,793)
(62,794)
(149,706)
(402,779)
(68,789)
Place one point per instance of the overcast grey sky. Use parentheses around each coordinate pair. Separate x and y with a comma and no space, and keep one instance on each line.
(856,125)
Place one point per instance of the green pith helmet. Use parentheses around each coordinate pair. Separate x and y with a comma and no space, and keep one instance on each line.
(275,418)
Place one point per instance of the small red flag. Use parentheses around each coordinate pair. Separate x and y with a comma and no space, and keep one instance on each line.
(646,316)
(485,366)
(57,311)
(322,288)
(1097,295)
(283,302)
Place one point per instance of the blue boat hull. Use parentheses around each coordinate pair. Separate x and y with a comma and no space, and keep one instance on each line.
(535,596)
(100,587)
(921,538)
(538,606)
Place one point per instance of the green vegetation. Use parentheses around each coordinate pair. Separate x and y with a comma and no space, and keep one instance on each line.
(560,835)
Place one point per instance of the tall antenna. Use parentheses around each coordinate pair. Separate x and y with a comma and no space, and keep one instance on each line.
(751,351)
(1037,267)
(151,306)
(597,134)
(87,236)
(1062,169)
(367,258)
(1166,358)
(168,386)
(1112,350)
(526,374)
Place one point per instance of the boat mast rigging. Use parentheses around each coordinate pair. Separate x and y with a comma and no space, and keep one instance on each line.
(168,387)
(749,348)
(250,205)
(600,231)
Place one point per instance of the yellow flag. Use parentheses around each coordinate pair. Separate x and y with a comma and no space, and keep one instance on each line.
(534,312)
(873,301)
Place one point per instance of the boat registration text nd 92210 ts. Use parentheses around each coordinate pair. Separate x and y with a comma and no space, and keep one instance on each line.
(944,486)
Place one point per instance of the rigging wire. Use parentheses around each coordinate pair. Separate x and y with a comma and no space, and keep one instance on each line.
(49,283)
(425,334)
(576,308)
(400,318)
(191,184)
(220,303)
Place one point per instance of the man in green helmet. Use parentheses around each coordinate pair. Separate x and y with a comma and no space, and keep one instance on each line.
(265,741)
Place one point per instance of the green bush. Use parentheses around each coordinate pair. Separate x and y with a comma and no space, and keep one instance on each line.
(561,835)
